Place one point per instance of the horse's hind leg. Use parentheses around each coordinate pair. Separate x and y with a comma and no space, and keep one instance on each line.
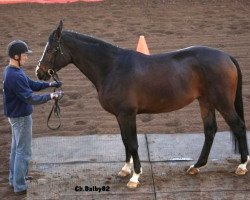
(210,128)
(239,130)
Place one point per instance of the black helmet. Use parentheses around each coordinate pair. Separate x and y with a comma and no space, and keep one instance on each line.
(17,47)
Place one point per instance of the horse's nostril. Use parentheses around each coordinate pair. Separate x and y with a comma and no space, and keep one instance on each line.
(39,75)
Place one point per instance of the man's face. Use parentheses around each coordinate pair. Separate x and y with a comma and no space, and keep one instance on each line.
(24,58)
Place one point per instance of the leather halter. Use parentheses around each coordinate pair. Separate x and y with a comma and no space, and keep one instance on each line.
(51,71)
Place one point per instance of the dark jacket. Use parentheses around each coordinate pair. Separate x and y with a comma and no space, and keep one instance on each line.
(18,96)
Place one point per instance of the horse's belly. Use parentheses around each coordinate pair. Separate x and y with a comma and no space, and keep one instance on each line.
(169,95)
(160,105)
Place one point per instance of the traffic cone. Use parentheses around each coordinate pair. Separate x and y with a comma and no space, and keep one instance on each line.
(142,46)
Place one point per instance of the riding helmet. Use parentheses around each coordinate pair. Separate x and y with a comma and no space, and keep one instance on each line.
(17,47)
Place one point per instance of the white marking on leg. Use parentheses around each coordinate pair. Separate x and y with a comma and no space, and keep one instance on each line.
(135,177)
(244,165)
(127,168)
(131,160)
(193,170)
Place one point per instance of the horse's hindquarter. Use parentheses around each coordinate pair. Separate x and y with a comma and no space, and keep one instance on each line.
(220,76)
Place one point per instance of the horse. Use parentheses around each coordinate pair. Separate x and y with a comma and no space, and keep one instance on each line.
(130,83)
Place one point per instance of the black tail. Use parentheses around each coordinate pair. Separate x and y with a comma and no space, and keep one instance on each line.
(238,103)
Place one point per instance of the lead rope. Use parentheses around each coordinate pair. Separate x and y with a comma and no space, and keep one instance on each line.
(55,107)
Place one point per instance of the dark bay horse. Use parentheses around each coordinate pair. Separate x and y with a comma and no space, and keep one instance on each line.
(129,83)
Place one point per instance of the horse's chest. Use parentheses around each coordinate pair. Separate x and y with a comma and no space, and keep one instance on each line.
(116,99)
(108,102)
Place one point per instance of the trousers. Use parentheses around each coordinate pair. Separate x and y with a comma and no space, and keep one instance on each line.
(20,154)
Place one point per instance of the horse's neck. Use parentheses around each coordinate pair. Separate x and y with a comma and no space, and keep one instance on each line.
(92,60)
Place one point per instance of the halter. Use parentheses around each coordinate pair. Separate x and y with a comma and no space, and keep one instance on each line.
(51,71)
(53,74)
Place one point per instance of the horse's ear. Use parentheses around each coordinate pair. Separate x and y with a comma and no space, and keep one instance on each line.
(59,30)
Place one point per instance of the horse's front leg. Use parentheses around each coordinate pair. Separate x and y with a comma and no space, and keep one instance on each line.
(126,170)
(127,123)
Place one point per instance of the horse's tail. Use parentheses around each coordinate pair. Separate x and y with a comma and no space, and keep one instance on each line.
(238,102)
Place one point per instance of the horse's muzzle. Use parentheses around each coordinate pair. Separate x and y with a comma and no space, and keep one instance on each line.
(41,75)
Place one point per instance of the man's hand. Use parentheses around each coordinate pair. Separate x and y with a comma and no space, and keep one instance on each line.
(57,95)
(55,84)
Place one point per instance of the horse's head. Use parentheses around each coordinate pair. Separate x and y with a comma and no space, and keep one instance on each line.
(54,56)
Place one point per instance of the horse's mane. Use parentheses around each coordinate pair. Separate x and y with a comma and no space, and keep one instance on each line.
(90,39)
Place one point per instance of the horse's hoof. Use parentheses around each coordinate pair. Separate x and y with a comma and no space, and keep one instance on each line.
(133,185)
(192,170)
(240,171)
(123,174)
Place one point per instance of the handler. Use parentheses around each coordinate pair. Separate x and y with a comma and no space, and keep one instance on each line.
(18,99)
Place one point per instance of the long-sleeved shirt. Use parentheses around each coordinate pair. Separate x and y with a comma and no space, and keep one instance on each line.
(18,96)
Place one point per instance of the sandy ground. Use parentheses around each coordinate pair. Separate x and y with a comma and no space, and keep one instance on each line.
(167,25)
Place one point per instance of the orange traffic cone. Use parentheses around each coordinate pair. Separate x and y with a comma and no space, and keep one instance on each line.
(142,46)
